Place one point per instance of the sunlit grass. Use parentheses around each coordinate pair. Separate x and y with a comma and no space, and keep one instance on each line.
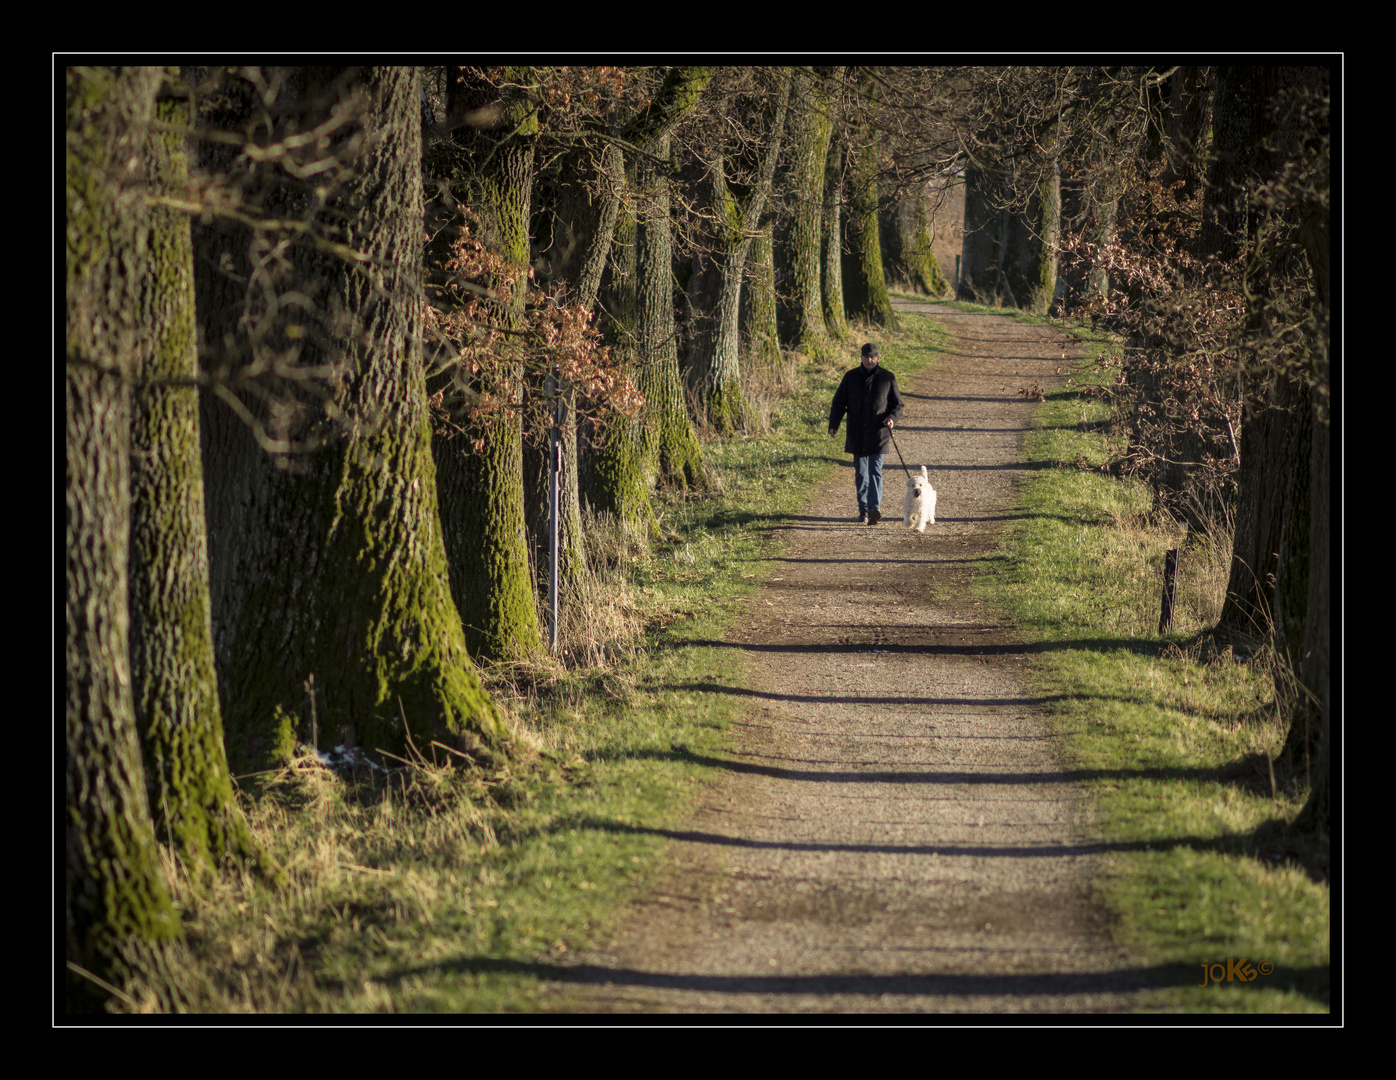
(1175,731)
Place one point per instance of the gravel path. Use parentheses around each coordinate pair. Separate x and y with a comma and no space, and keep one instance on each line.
(890,829)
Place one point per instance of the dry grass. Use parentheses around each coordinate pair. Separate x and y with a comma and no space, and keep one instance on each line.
(602,619)
(358,863)
(768,381)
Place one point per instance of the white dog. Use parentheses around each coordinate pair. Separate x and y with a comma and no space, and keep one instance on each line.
(920,507)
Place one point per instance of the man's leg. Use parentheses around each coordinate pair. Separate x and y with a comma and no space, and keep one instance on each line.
(875,488)
(861,477)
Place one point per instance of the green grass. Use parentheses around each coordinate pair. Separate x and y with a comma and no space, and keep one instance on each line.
(461,893)
(1174,733)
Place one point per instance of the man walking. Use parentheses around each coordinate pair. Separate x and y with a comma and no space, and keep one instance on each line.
(869,396)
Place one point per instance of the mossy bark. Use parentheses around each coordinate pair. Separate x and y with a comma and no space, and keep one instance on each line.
(588,211)
(864,278)
(660,444)
(671,448)
(979,270)
(759,334)
(910,260)
(482,491)
(831,241)
(799,228)
(1044,238)
(342,573)
(172,668)
(114,895)
(1102,231)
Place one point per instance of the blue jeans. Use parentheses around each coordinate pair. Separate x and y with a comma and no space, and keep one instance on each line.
(867,474)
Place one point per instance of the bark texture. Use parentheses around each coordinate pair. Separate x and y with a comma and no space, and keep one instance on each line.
(671,447)
(172,667)
(864,279)
(799,228)
(910,260)
(760,335)
(831,239)
(114,896)
(979,269)
(482,490)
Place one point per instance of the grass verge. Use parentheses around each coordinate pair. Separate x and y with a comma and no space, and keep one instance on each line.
(1175,733)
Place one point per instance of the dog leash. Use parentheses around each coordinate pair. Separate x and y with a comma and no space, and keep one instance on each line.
(899,454)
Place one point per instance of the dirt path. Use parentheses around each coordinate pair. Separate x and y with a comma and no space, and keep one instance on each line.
(891,831)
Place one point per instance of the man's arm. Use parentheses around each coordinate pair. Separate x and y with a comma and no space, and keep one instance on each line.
(839,407)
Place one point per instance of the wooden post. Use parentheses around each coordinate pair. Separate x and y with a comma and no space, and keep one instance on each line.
(1170,591)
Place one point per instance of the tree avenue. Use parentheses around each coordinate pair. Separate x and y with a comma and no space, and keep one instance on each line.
(322,324)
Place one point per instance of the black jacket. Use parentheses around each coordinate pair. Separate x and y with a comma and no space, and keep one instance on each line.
(869,398)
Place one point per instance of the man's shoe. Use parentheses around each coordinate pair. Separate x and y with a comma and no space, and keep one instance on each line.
(862,517)
(874,516)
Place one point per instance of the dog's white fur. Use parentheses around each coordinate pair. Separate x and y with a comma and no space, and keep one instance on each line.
(920,506)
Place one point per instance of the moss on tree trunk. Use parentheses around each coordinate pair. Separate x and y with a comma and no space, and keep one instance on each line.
(172,668)
(492,578)
(799,230)
(660,443)
(979,269)
(909,258)
(831,240)
(759,335)
(114,897)
(864,281)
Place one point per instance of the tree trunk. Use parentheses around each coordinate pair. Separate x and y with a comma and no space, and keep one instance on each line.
(1042,271)
(1269,577)
(1188,114)
(759,334)
(1102,231)
(482,490)
(114,895)
(1263,481)
(1236,102)
(864,281)
(343,571)
(1027,255)
(587,213)
(172,668)
(1314,715)
(979,269)
(671,448)
(911,263)
(831,233)
(799,230)
(1314,719)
